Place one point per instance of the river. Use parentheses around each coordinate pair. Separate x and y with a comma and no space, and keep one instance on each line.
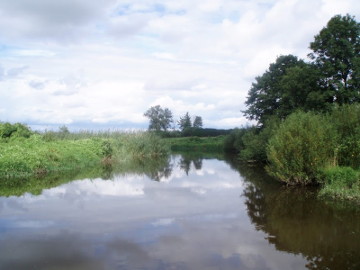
(189,212)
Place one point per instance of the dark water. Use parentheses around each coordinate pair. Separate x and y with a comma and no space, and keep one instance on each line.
(187,213)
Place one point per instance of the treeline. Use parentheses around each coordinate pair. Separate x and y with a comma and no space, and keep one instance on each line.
(308,114)
(161,121)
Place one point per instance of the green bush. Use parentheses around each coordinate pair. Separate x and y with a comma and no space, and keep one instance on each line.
(341,176)
(233,141)
(16,130)
(347,123)
(301,147)
(341,183)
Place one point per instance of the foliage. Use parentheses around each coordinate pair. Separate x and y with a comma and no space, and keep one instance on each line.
(301,147)
(17,130)
(41,154)
(346,120)
(204,144)
(336,51)
(198,123)
(160,119)
(341,182)
(265,96)
(255,141)
(291,84)
(184,122)
(233,141)
(143,145)
(36,156)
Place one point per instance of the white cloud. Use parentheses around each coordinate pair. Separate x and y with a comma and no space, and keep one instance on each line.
(107,62)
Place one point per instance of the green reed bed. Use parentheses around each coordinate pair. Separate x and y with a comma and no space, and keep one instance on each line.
(41,154)
(204,144)
(35,156)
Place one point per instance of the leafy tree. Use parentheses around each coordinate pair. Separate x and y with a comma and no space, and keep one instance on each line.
(336,51)
(300,90)
(185,122)
(265,97)
(198,122)
(160,119)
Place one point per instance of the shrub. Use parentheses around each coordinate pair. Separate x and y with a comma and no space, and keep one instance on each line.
(347,123)
(340,176)
(341,183)
(16,130)
(301,147)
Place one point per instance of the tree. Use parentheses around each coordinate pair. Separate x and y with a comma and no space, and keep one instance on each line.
(336,51)
(185,122)
(160,119)
(265,97)
(197,122)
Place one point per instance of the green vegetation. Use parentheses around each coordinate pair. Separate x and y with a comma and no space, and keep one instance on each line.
(302,145)
(204,144)
(308,115)
(38,154)
(341,183)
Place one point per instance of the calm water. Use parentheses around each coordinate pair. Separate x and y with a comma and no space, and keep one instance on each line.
(189,213)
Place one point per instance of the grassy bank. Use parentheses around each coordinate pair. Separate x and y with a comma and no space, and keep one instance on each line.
(341,183)
(35,156)
(40,154)
(203,144)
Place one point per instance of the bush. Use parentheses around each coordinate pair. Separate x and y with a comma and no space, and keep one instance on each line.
(347,123)
(233,141)
(341,182)
(301,147)
(343,176)
(16,130)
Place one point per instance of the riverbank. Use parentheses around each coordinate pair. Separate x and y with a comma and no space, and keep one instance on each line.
(40,154)
(201,144)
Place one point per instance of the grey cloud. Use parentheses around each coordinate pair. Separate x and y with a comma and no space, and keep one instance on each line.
(65,92)
(163,84)
(14,72)
(11,73)
(2,73)
(129,25)
(59,20)
(37,85)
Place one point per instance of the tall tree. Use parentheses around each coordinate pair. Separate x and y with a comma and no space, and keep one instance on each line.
(160,119)
(265,96)
(336,51)
(185,122)
(197,122)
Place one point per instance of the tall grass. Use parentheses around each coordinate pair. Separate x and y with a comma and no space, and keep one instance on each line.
(204,144)
(341,183)
(59,151)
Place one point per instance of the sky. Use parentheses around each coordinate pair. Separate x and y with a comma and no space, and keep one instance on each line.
(91,64)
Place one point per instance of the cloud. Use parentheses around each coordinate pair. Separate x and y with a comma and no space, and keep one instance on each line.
(76,61)
(37,84)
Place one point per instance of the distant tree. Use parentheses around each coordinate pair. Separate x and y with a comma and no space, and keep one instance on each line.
(197,122)
(336,51)
(185,122)
(160,119)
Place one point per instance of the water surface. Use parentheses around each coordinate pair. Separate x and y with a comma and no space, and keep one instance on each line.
(186,213)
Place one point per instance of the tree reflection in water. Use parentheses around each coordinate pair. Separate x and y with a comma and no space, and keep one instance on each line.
(296,221)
